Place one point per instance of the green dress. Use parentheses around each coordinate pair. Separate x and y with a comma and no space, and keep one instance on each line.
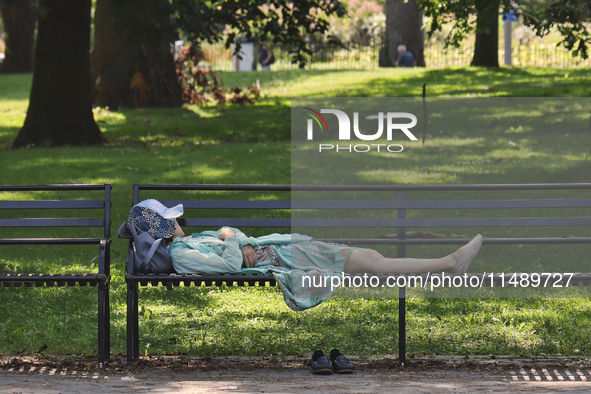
(301,266)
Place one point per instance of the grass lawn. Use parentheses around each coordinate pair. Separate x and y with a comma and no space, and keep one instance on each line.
(251,144)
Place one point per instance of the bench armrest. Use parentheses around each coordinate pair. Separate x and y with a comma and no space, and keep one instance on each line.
(105,257)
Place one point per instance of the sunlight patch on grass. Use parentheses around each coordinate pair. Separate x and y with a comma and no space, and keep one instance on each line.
(161,140)
(407,177)
(382,153)
(202,111)
(441,142)
(463,168)
(518,130)
(522,152)
(210,172)
(13,107)
(110,118)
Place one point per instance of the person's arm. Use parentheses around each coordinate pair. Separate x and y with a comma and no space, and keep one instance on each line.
(189,258)
(249,256)
(247,245)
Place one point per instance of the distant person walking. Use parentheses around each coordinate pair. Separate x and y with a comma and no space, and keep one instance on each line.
(405,58)
(266,57)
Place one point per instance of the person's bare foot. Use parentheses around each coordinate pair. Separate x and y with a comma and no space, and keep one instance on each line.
(466,253)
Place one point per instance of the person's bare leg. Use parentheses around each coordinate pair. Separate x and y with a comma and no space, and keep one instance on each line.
(370,261)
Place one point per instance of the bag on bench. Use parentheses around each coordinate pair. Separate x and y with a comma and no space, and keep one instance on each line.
(149,255)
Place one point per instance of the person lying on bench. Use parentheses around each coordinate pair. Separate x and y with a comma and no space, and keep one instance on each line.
(290,258)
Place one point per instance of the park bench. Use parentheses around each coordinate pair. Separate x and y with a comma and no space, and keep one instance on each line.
(17,201)
(412,206)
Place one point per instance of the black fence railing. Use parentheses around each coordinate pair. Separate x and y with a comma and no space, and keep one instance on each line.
(331,57)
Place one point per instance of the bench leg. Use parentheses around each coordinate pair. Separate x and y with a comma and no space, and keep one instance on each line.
(108,306)
(136,326)
(132,323)
(401,253)
(101,324)
(107,322)
(402,325)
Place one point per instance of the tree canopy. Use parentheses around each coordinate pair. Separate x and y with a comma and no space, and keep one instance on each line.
(567,16)
(136,35)
(481,17)
(133,38)
(156,21)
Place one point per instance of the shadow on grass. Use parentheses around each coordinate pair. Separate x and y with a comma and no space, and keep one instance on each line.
(7,135)
(266,121)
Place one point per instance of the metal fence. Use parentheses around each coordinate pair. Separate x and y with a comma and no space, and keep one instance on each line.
(536,55)
(324,57)
(328,57)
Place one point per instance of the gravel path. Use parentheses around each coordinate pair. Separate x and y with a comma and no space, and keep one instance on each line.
(264,375)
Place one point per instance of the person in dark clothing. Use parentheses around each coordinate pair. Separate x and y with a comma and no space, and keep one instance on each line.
(405,58)
(266,58)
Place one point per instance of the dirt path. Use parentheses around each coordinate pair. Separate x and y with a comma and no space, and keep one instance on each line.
(195,375)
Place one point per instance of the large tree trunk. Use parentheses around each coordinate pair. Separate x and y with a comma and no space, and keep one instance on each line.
(119,57)
(486,47)
(60,111)
(403,26)
(19,23)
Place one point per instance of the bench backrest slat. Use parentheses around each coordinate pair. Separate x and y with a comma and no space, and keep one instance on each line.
(50,241)
(52,222)
(212,187)
(458,241)
(369,188)
(39,188)
(394,204)
(235,222)
(229,204)
(434,204)
(464,222)
(53,204)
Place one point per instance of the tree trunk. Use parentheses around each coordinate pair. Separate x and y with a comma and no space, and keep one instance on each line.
(60,111)
(486,47)
(403,26)
(118,57)
(19,23)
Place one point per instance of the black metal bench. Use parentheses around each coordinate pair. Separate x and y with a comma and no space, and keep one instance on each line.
(57,211)
(447,197)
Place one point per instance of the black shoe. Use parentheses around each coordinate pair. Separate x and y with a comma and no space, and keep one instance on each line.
(320,363)
(340,364)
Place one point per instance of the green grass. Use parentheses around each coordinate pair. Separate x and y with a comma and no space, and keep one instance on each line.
(250,144)
(396,82)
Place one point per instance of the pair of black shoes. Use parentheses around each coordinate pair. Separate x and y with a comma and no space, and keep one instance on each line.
(334,362)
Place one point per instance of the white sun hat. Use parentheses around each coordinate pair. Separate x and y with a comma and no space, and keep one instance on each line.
(161,209)
(155,218)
